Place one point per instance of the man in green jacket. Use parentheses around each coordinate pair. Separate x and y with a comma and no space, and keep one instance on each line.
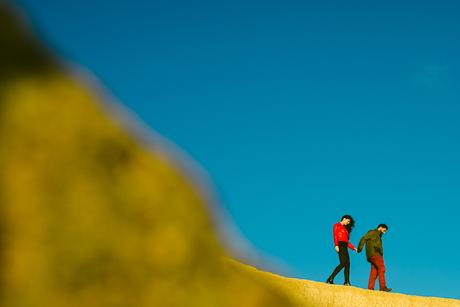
(374,254)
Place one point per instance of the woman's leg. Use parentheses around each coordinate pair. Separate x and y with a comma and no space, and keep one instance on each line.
(343,255)
(346,261)
(335,272)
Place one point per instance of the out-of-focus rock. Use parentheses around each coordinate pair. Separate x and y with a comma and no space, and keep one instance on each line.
(90,215)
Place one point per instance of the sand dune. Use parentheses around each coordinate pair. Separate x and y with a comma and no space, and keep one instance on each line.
(306,293)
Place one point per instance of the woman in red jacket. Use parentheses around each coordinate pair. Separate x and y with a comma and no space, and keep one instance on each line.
(342,231)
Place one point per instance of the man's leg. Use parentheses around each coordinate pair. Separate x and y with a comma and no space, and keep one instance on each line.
(372,276)
(381,272)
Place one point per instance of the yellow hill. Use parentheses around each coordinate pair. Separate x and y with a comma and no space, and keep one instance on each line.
(305,293)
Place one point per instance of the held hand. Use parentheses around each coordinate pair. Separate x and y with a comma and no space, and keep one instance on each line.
(356,250)
(337,249)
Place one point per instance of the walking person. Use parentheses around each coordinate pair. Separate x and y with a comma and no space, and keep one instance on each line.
(374,254)
(341,233)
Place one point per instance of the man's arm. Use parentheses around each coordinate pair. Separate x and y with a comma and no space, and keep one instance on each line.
(363,240)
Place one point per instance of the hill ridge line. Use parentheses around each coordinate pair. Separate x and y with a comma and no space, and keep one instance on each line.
(308,293)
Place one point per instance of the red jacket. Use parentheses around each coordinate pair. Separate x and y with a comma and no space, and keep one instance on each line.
(341,234)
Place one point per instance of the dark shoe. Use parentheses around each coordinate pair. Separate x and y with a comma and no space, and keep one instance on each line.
(330,281)
(347,284)
(386,289)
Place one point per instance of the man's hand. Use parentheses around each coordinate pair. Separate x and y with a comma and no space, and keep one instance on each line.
(356,250)
(337,249)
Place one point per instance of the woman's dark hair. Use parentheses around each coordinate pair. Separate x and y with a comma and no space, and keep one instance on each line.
(350,226)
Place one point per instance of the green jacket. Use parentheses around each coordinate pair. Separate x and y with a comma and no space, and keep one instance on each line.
(373,241)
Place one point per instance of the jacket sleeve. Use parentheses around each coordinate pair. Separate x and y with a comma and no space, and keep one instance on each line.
(335,232)
(351,246)
(362,241)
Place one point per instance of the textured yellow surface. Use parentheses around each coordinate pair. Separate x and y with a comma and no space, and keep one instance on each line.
(305,293)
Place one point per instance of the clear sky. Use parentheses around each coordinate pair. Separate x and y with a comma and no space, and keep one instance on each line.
(300,111)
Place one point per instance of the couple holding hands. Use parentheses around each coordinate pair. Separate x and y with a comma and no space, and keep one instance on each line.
(374,251)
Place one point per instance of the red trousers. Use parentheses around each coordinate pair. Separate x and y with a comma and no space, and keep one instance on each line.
(377,269)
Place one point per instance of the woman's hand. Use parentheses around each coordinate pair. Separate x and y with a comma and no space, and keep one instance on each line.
(337,249)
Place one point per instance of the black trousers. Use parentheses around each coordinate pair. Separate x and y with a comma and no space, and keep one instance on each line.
(344,262)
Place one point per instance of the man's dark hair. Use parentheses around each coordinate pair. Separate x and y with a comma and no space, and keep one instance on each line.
(383,226)
(350,226)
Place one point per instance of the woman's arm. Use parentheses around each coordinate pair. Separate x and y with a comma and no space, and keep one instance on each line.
(351,246)
(335,233)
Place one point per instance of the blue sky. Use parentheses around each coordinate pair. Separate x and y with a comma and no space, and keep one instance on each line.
(300,111)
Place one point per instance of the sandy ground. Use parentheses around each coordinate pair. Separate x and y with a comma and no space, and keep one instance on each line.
(307,293)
